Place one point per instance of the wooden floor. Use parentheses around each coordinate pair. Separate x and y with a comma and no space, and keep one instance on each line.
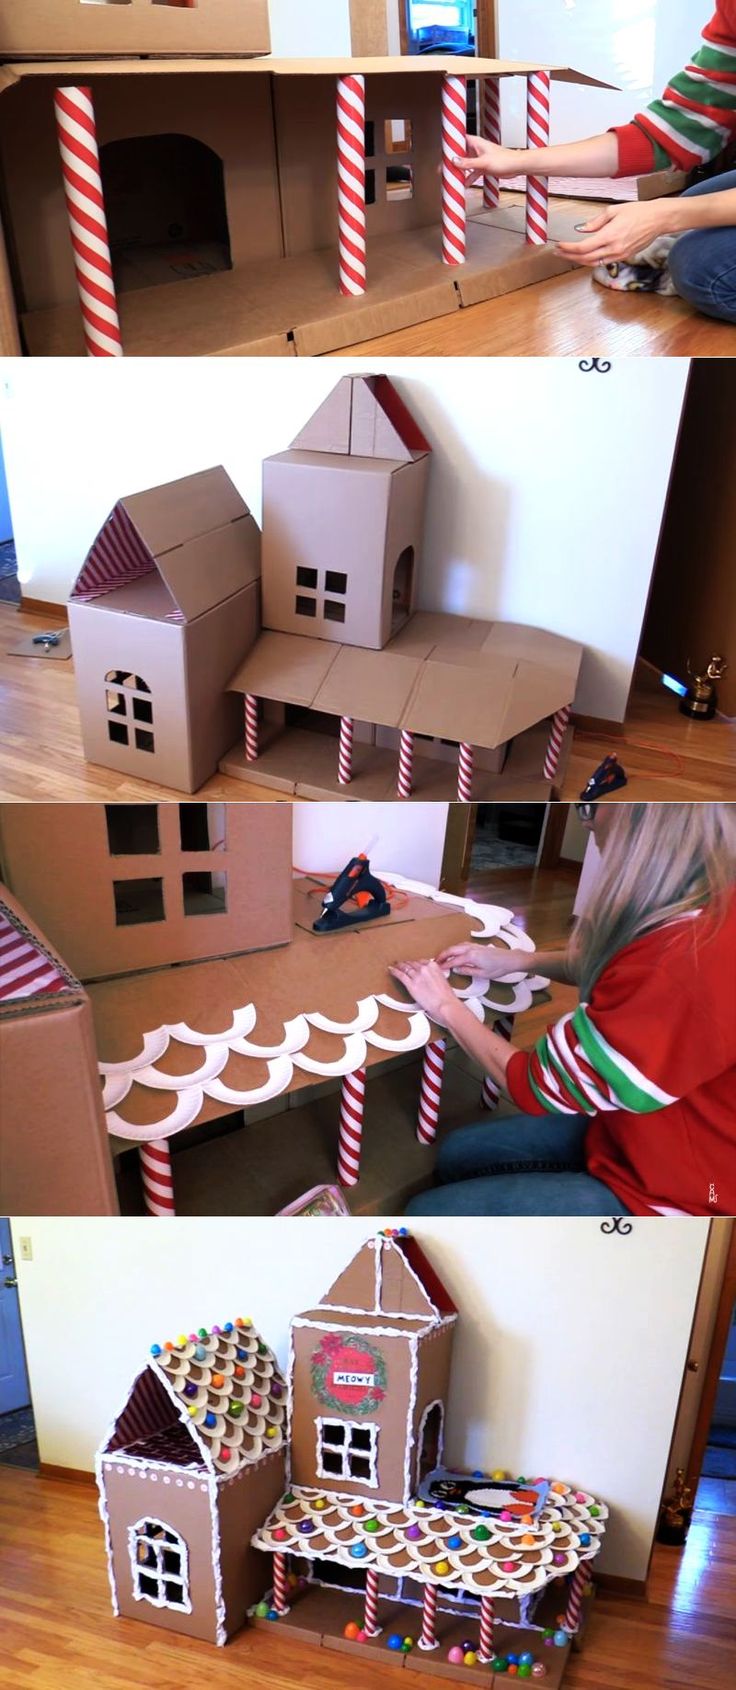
(57,1630)
(665,756)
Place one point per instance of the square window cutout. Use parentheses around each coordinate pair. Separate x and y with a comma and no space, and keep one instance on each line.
(335,581)
(115,703)
(132,829)
(138,901)
(117,732)
(397,135)
(143,740)
(204,893)
(142,710)
(334,610)
(202,827)
(305,577)
(305,607)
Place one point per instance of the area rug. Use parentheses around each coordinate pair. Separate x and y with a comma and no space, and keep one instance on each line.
(17,1428)
(9,583)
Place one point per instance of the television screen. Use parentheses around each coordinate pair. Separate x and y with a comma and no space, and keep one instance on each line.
(437,23)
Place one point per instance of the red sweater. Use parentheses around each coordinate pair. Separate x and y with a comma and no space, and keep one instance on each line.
(696,116)
(651,1060)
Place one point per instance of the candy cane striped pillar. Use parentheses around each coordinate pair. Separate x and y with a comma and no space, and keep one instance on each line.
(351,182)
(370,1612)
(431,1091)
(486,1650)
(80,163)
(573,1610)
(251,728)
(491,131)
(280,1585)
(406,765)
(554,747)
(537,135)
(428,1639)
(345,752)
(158,1183)
(454,141)
(490,1093)
(351,1127)
(465,774)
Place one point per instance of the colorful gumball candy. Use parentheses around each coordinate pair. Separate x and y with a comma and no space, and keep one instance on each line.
(262,1611)
(395,1641)
(526,1660)
(525,1670)
(539,1670)
(469,1658)
(560,1639)
(351,1631)
(499,1663)
(455,1655)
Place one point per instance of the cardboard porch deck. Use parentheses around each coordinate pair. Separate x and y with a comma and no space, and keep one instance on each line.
(249,186)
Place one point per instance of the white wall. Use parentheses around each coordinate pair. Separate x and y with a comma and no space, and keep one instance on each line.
(399,839)
(546,494)
(570,1349)
(309,29)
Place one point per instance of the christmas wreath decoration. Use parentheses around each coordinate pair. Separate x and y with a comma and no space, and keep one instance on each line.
(338,1355)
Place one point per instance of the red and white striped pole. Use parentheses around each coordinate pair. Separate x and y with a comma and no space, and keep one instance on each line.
(345,752)
(85,205)
(351,182)
(490,1093)
(352,1107)
(465,773)
(370,1612)
(491,131)
(280,1585)
(537,135)
(158,1183)
(554,747)
(486,1650)
(576,1592)
(431,1091)
(454,143)
(406,765)
(251,728)
(428,1639)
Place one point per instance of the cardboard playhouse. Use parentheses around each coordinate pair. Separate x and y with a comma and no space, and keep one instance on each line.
(198,993)
(219,182)
(374,1546)
(356,692)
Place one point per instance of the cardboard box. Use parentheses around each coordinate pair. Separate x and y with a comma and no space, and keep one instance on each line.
(29,28)
(343,516)
(269,215)
(125,887)
(54,1148)
(165,603)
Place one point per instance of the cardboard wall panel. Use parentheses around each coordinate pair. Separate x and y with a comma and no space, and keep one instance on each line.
(214,644)
(48,27)
(390,1416)
(105,641)
(131,1497)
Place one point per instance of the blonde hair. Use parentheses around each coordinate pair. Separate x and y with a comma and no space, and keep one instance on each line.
(658,862)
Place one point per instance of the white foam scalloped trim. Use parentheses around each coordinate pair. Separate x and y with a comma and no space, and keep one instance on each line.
(296,1035)
(214,1062)
(186,1110)
(367,1015)
(279,1076)
(353,1056)
(115,1088)
(154,1045)
(243,1022)
(419,1034)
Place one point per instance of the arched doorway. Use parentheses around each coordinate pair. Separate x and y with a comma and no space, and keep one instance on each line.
(402,588)
(429,1441)
(166,209)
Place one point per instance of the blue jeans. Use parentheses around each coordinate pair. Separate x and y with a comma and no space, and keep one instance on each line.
(702,263)
(522,1165)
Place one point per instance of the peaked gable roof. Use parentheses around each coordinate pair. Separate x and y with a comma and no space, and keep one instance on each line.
(390,1275)
(197,535)
(364,416)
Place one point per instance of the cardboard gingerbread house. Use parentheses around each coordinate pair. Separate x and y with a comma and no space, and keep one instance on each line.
(235,209)
(81,28)
(185,1473)
(166,601)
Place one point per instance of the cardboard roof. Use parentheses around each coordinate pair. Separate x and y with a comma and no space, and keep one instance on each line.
(420,65)
(196,535)
(390,1275)
(364,416)
(226,1389)
(450,677)
(31,975)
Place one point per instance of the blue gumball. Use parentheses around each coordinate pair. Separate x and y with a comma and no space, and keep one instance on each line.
(513,1660)
(394,1641)
(526,1660)
(560,1639)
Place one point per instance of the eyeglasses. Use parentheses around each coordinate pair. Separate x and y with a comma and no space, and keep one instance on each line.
(586,812)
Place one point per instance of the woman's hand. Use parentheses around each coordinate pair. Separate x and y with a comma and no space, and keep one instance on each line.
(426,984)
(484,158)
(487,961)
(620,232)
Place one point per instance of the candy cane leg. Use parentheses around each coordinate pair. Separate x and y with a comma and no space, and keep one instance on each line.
(487,1618)
(537,135)
(554,747)
(428,1639)
(345,752)
(351,182)
(490,1093)
(465,774)
(406,764)
(370,1612)
(454,141)
(575,1598)
(491,130)
(251,728)
(80,163)
(431,1091)
(280,1585)
(351,1127)
(158,1184)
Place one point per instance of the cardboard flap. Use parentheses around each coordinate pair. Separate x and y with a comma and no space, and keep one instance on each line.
(536,692)
(536,645)
(371,686)
(426,628)
(328,429)
(460,702)
(182,510)
(285,667)
(206,571)
(118,557)
(401,1291)
(372,433)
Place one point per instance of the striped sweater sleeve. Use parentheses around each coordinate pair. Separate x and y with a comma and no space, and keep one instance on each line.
(696,116)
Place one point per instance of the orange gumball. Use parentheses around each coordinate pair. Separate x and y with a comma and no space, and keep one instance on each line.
(528,1540)
(239,1371)
(218,1380)
(357,1510)
(559,1489)
(351,1631)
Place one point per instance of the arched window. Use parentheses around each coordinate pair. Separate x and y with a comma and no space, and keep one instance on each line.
(160,1566)
(129,710)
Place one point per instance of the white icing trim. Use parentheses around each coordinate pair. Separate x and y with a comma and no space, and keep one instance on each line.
(417,1281)
(279,1076)
(410,1412)
(105,1518)
(357,1331)
(353,1057)
(343,1450)
(391,1314)
(136,1534)
(220,1614)
(436,1403)
(365,1017)
(376,1247)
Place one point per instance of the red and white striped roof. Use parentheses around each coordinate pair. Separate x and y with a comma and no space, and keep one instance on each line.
(26,969)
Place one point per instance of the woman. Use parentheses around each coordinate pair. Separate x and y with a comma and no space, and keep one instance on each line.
(689,127)
(629,1103)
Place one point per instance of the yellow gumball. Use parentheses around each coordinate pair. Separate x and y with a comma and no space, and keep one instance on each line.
(470,1658)
(442,1568)
(500,1473)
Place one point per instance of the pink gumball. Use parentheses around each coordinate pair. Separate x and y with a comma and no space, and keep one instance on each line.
(455,1656)
(361,1637)
(539,1670)
(505,1515)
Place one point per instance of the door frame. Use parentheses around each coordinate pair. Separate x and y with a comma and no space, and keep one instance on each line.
(713,1365)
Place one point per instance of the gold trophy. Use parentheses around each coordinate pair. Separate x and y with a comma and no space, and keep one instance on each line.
(701,699)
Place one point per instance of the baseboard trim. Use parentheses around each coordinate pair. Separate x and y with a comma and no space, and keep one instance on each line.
(41,607)
(70,1475)
(620,1586)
